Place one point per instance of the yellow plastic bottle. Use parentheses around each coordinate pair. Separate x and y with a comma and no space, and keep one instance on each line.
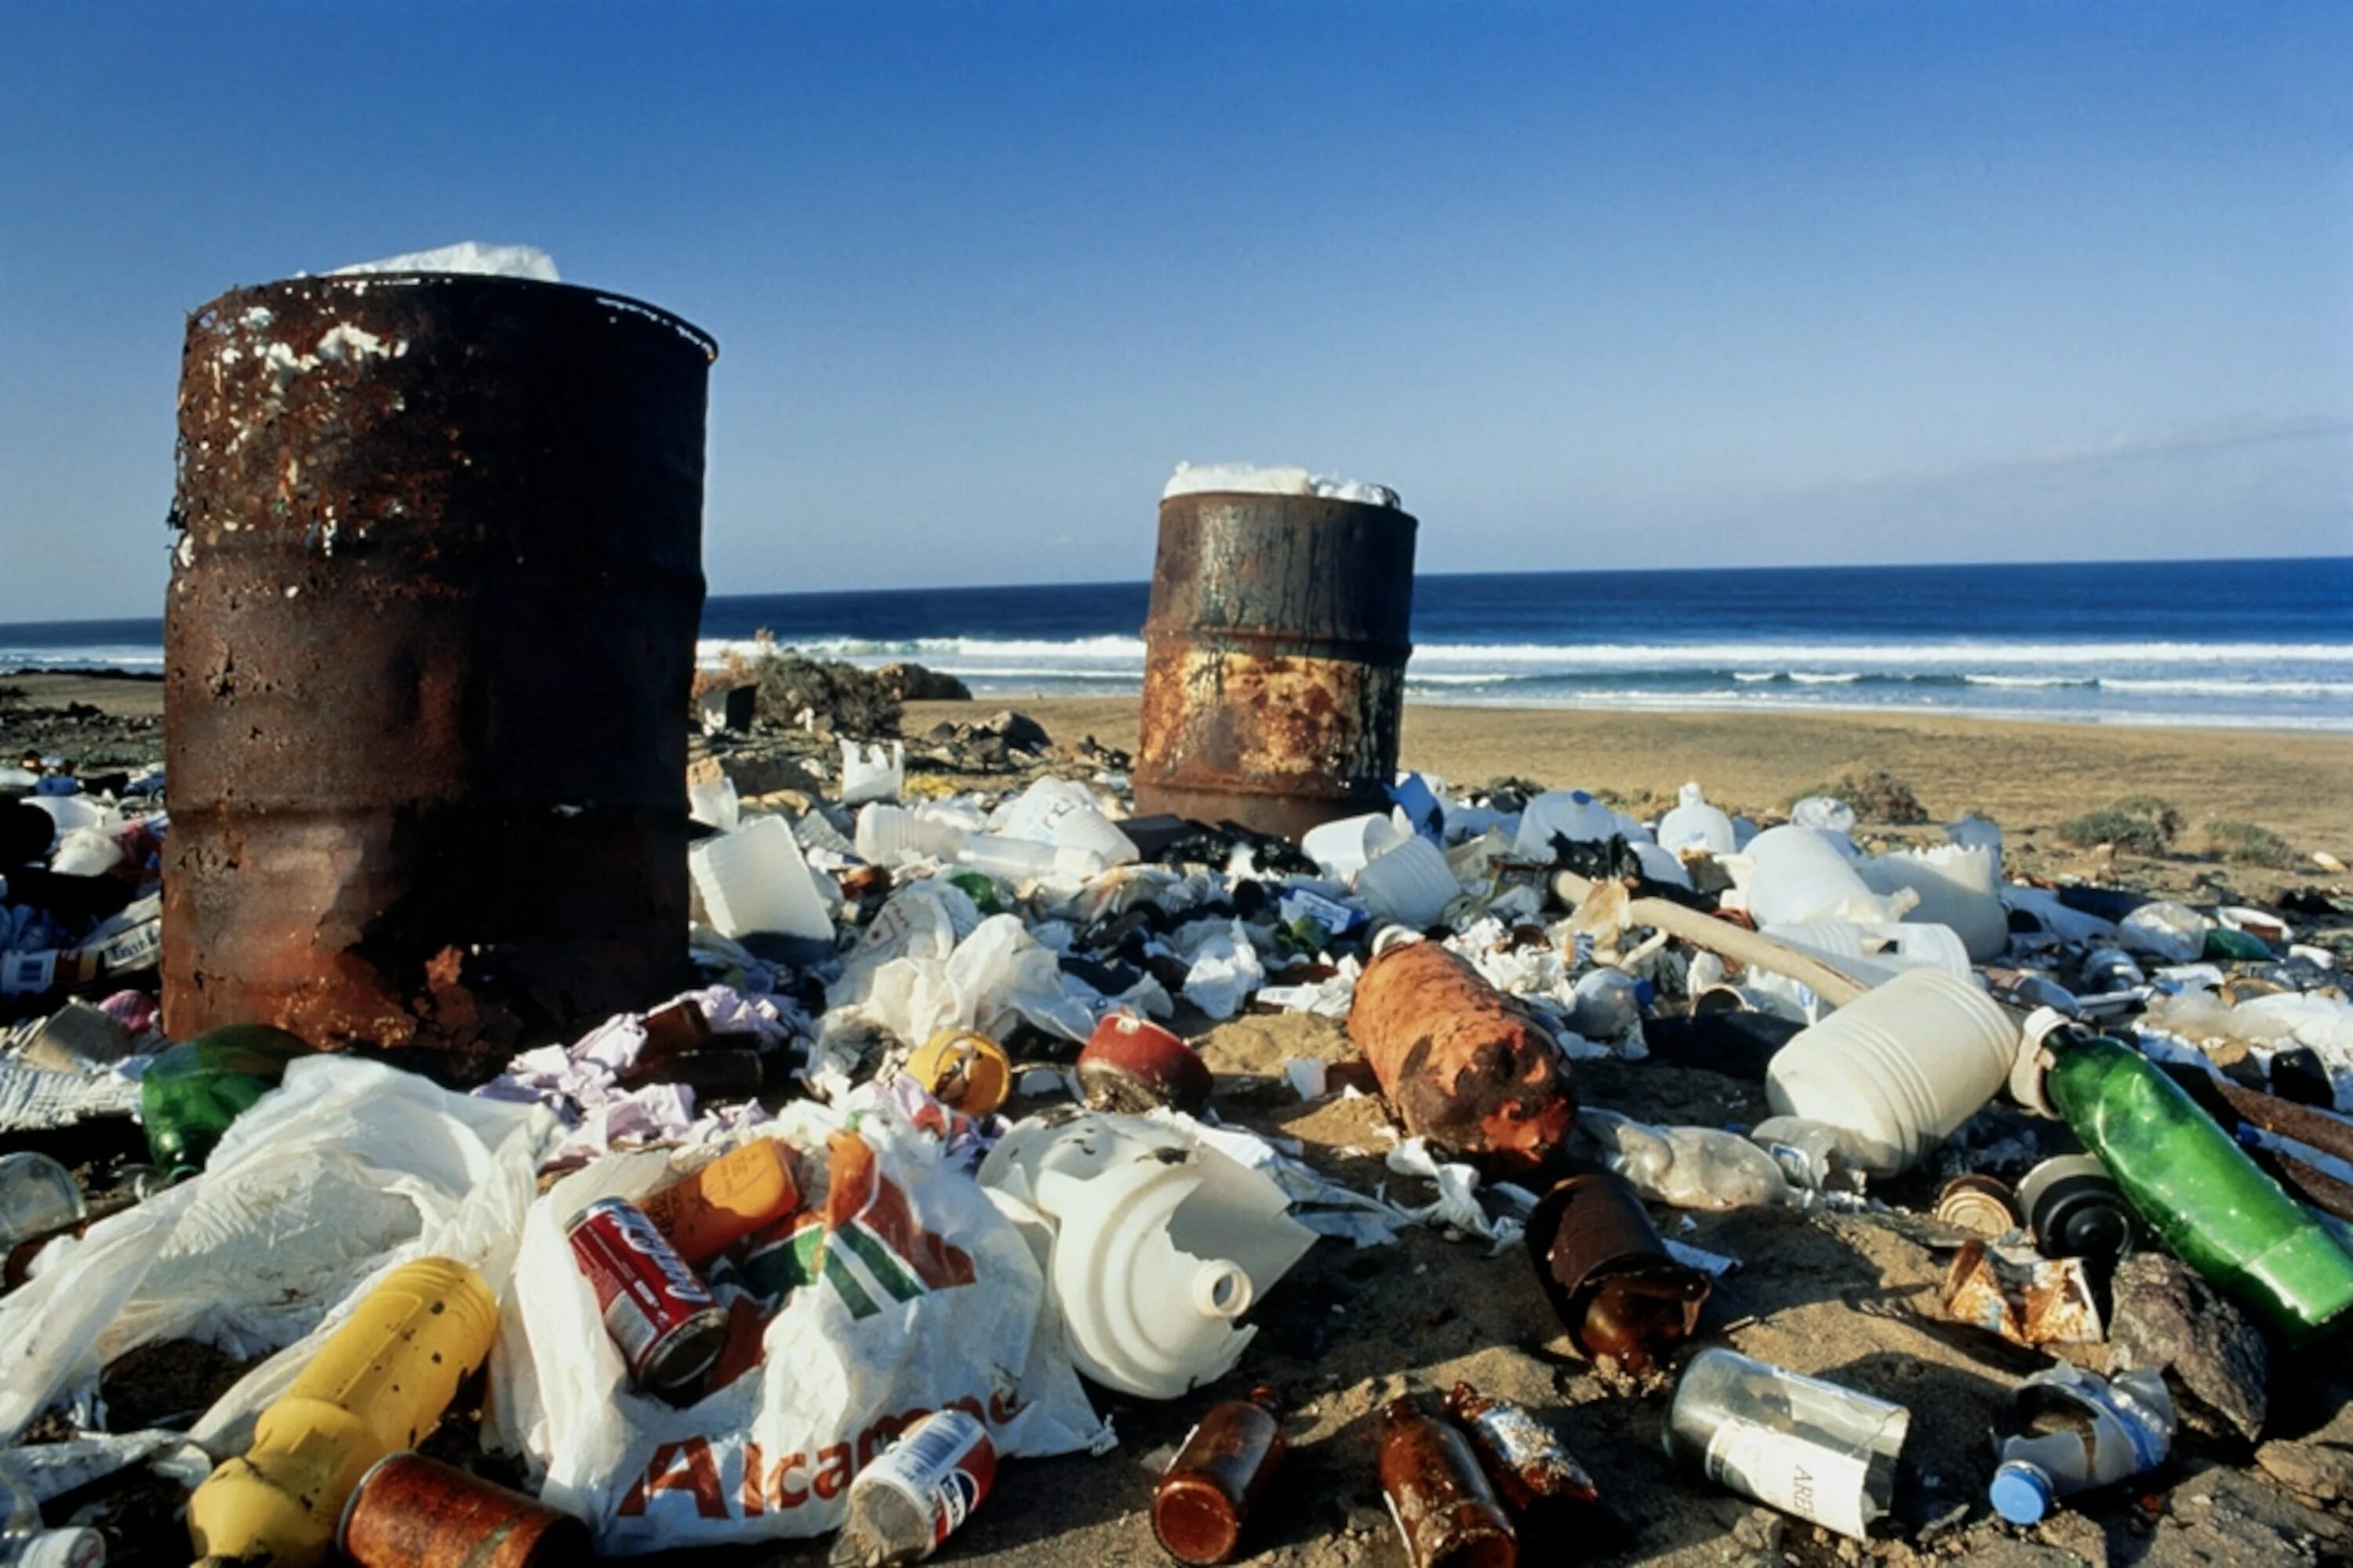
(378,1385)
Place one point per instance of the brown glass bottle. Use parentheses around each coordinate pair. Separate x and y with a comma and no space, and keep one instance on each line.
(1532,1469)
(1442,1504)
(1205,1498)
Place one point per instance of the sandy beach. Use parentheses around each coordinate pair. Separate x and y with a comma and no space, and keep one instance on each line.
(2026,776)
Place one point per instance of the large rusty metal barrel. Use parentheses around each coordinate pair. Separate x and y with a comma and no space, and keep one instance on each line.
(428,648)
(1274,659)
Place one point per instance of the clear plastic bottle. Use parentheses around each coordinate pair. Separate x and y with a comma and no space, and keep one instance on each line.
(37,1198)
(1807,1447)
(2080,1432)
(1688,1167)
(915,1497)
(25,1542)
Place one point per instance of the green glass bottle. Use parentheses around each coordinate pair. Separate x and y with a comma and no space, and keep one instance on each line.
(191,1093)
(2214,1207)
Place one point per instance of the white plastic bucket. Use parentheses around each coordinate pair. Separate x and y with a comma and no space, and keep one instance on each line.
(1898,1068)
(1409,885)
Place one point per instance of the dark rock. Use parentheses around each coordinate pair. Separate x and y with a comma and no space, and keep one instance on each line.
(804,694)
(1019,731)
(2168,1318)
(914,684)
(2317,1468)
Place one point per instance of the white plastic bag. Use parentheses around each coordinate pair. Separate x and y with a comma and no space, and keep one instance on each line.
(921,1293)
(347,1171)
(870,773)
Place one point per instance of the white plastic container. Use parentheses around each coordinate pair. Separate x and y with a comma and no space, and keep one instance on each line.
(1899,1068)
(1695,824)
(1957,887)
(1063,813)
(1344,848)
(1876,953)
(1801,874)
(1661,865)
(1157,1247)
(868,773)
(1571,814)
(713,802)
(1024,860)
(87,852)
(754,880)
(74,813)
(894,836)
(1408,884)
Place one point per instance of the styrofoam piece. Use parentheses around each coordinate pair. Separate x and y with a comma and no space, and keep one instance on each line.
(1899,1068)
(1957,887)
(1800,873)
(1695,824)
(1343,847)
(1159,1244)
(868,773)
(754,880)
(1408,884)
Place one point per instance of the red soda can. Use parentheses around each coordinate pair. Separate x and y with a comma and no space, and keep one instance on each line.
(668,1325)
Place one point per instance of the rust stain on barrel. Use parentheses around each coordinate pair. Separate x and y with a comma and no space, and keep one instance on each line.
(427,645)
(1274,662)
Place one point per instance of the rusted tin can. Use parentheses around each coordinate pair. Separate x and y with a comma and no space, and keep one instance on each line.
(1274,659)
(1528,1464)
(426,654)
(663,1318)
(409,1511)
(2026,1299)
(1979,1205)
(1205,1497)
(1618,1291)
(1444,1509)
(1132,1064)
(1464,1066)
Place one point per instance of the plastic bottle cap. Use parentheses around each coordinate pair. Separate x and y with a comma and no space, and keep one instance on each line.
(65,1549)
(2020,1492)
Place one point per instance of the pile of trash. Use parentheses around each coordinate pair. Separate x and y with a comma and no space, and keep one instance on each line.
(929,1174)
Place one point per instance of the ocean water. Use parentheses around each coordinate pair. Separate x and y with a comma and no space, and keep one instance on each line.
(2263,643)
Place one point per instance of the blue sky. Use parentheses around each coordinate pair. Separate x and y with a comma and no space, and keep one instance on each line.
(1590,285)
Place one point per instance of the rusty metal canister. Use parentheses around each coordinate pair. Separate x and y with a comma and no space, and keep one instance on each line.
(1618,1291)
(1444,1509)
(427,647)
(410,1511)
(1274,659)
(1464,1066)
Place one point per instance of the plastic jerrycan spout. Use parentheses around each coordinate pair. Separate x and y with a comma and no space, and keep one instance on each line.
(377,1385)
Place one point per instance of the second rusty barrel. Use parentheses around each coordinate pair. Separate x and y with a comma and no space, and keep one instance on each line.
(1274,659)
(427,644)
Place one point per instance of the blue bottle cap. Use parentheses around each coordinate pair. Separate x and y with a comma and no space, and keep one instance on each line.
(2020,1492)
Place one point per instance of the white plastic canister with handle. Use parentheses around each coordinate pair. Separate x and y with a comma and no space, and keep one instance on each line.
(1899,1068)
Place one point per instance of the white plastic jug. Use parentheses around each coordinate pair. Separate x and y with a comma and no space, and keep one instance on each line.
(1801,874)
(714,803)
(1408,884)
(1695,824)
(754,880)
(1158,1244)
(1898,1068)
(1025,860)
(1957,887)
